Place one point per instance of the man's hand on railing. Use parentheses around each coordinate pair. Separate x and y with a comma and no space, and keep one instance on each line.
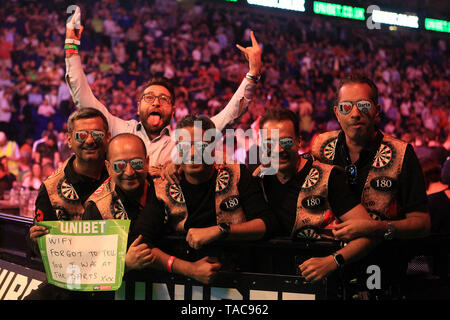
(316,269)
(198,237)
(205,269)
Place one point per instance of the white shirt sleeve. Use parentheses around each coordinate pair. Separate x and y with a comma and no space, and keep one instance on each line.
(83,97)
(237,106)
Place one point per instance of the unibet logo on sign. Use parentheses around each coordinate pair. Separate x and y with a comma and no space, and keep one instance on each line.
(338,10)
(437,25)
(85,255)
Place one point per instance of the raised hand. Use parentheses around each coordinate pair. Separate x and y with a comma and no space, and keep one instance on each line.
(71,31)
(253,55)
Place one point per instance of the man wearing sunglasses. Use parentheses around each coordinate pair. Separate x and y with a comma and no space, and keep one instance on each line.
(308,197)
(210,203)
(383,172)
(156,104)
(129,193)
(63,194)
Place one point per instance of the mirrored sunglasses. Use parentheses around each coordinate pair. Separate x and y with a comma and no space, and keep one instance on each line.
(82,135)
(120,165)
(345,107)
(352,174)
(285,143)
(184,147)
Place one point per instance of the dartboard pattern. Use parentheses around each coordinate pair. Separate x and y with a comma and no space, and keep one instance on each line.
(223,180)
(67,192)
(383,157)
(118,210)
(329,149)
(174,192)
(308,233)
(312,179)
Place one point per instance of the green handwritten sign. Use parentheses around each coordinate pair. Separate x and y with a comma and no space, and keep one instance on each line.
(85,255)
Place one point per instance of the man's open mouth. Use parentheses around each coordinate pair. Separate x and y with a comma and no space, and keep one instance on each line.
(154,118)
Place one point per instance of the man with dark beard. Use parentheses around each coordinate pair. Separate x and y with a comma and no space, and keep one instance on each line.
(383,172)
(156,105)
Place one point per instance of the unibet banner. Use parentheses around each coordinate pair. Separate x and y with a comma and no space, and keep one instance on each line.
(85,255)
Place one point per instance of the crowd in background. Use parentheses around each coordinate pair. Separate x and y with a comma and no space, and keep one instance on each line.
(126,43)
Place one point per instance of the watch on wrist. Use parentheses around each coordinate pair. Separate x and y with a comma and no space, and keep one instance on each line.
(224,229)
(389,233)
(339,259)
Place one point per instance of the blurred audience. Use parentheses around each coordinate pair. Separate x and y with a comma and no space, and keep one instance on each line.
(125,44)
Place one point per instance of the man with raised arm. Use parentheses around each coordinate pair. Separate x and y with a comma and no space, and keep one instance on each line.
(156,105)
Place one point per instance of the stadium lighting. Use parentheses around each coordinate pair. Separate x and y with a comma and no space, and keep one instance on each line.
(437,25)
(296,5)
(398,19)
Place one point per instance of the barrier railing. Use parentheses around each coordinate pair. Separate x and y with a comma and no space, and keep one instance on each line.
(251,270)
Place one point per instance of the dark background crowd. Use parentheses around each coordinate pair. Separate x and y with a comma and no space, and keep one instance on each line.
(125,43)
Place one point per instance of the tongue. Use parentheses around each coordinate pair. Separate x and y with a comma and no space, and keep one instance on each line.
(154,119)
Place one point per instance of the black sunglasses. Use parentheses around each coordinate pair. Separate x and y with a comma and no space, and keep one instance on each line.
(352,174)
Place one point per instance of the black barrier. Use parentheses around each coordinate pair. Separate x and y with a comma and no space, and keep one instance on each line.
(257,270)
(254,270)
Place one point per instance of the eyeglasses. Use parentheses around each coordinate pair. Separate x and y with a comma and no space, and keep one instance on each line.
(184,147)
(286,143)
(120,165)
(352,174)
(163,99)
(363,105)
(82,135)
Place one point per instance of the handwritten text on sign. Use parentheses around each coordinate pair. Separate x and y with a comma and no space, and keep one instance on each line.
(85,255)
(76,259)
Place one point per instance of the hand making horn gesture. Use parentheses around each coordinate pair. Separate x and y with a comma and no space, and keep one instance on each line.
(253,55)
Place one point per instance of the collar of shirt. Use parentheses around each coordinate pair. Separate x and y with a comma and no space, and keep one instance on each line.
(133,206)
(366,154)
(166,131)
(76,178)
(300,176)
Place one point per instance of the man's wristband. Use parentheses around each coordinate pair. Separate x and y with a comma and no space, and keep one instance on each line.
(69,41)
(70,46)
(71,51)
(170,264)
(252,77)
